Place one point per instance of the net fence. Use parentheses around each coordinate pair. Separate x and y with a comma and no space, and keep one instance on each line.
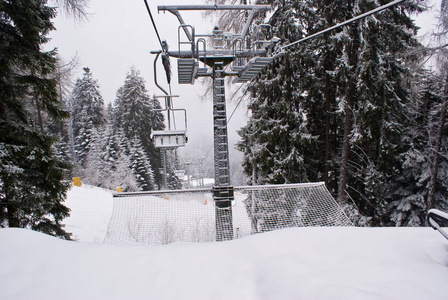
(163,217)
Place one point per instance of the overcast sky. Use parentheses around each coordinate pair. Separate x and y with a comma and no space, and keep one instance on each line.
(119,34)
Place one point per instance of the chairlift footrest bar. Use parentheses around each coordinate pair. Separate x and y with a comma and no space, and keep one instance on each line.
(253,67)
(187,69)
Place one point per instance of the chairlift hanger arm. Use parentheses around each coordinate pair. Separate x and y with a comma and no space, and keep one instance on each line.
(248,22)
(155,72)
(182,22)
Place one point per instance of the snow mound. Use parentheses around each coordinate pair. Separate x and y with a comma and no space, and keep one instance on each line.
(298,263)
(91,209)
(316,263)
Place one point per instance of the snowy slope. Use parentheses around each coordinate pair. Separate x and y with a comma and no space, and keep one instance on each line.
(299,263)
(91,209)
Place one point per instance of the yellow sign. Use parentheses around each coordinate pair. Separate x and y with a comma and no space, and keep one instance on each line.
(77,181)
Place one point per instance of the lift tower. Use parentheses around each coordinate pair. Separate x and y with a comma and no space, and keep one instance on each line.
(247,59)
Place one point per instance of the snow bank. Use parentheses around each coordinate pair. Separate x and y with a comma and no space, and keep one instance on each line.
(299,263)
(316,263)
(91,209)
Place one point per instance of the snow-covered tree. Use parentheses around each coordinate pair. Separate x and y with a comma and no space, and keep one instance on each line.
(116,165)
(172,160)
(133,106)
(332,108)
(141,166)
(95,170)
(270,141)
(378,90)
(32,185)
(438,143)
(134,113)
(88,113)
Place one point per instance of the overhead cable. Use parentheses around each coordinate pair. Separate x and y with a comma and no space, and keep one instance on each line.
(378,9)
(153,23)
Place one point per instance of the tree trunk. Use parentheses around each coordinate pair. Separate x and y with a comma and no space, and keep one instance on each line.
(3,111)
(13,221)
(437,148)
(343,176)
(11,207)
(39,113)
(329,98)
(352,54)
(327,144)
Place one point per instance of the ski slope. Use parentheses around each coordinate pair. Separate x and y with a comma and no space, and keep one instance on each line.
(298,263)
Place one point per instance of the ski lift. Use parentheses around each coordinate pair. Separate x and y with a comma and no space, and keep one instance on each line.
(187,67)
(171,139)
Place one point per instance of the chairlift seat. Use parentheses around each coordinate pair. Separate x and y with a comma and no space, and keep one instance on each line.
(252,68)
(169,139)
(187,69)
(237,68)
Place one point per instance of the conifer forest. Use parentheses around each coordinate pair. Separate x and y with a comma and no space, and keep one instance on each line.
(356,108)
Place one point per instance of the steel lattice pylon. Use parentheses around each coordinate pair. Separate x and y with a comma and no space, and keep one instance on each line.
(216,59)
(223,191)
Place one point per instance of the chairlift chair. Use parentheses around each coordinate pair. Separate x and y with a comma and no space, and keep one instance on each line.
(170,138)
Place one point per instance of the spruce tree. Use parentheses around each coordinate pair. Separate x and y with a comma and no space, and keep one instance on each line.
(172,159)
(381,92)
(141,167)
(95,171)
(32,178)
(117,164)
(88,113)
(408,199)
(335,104)
(135,115)
(270,140)
(437,145)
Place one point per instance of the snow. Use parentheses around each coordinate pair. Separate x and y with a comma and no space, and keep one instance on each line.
(91,211)
(298,263)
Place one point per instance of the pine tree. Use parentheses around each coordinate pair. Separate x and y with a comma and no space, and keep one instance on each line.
(379,118)
(141,166)
(134,113)
(172,159)
(88,113)
(94,171)
(118,164)
(442,113)
(334,103)
(273,153)
(32,186)
(410,205)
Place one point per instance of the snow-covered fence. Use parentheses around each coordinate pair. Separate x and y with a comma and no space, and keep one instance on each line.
(162,217)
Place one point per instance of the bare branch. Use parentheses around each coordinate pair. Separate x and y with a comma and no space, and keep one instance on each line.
(75,8)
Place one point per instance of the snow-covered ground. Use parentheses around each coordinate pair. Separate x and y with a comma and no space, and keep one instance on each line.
(298,263)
